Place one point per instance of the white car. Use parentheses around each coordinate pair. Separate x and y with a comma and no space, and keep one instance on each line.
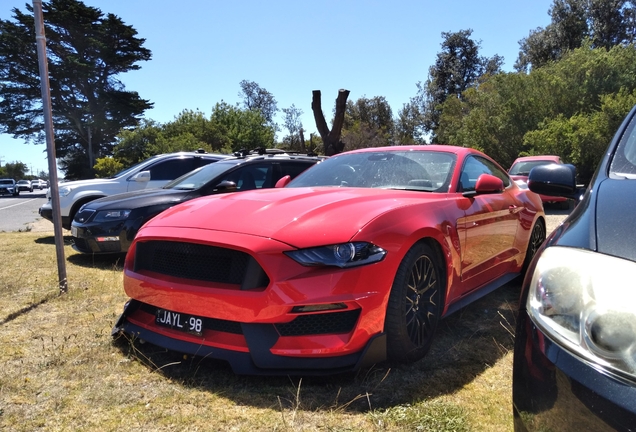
(151,173)
(38,184)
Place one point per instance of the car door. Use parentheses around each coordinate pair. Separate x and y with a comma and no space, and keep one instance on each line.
(487,230)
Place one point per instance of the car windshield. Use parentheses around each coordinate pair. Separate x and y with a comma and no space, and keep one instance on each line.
(201,176)
(6,182)
(23,182)
(624,161)
(411,170)
(523,168)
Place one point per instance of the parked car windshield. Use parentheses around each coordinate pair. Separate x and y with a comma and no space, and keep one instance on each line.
(6,182)
(200,176)
(523,168)
(624,162)
(412,170)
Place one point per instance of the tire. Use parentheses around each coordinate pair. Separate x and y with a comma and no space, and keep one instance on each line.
(415,305)
(537,237)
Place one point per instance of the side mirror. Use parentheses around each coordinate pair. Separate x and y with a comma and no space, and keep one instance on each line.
(554,180)
(142,176)
(486,184)
(225,186)
(283,181)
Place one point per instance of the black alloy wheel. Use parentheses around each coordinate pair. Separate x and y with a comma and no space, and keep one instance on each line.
(415,305)
(537,237)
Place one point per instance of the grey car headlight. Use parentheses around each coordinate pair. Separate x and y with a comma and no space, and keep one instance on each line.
(343,255)
(111,215)
(586,302)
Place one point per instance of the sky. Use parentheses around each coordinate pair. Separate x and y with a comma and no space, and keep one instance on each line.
(203,49)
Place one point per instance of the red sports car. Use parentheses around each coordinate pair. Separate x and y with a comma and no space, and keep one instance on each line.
(352,263)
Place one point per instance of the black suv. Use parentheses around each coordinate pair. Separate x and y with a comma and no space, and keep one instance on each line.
(109,225)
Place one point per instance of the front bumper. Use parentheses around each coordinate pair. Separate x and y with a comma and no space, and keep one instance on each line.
(46,211)
(7,191)
(257,357)
(106,238)
(256,301)
(555,390)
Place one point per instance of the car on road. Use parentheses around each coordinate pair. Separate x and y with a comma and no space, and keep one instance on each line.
(108,225)
(8,187)
(353,262)
(38,184)
(151,173)
(521,167)
(574,362)
(24,185)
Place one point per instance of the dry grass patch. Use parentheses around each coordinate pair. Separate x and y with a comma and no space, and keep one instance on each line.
(61,369)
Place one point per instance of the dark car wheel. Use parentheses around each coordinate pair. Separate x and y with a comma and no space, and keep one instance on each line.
(415,305)
(536,240)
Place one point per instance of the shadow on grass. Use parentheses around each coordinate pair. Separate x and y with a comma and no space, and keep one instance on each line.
(68,240)
(467,344)
(28,308)
(100,261)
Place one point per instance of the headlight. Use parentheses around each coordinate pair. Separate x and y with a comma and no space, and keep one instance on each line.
(341,255)
(65,190)
(586,301)
(111,215)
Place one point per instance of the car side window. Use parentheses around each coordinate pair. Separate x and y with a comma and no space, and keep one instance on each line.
(292,169)
(171,169)
(474,166)
(249,176)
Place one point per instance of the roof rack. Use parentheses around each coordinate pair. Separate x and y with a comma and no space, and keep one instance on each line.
(261,151)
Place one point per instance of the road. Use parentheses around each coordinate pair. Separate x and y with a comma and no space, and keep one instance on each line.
(17,213)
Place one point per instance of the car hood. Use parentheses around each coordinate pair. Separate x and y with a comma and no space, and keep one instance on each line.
(301,217)
(616,200)
(141,198)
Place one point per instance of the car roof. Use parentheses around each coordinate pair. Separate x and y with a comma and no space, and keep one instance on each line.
(537,158)
(426,147)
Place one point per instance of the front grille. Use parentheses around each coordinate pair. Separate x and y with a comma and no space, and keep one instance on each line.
(324,323)
(81,245)
(83,215)
(200,262)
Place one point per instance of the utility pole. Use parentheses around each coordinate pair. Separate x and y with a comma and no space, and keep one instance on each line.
(40,40)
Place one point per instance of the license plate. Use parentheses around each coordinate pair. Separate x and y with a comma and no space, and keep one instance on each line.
(74,231)
(180,321)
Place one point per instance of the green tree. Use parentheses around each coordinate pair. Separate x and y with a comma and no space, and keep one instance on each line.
(228,129)
(605,23)
(293,124)
(457,67)
(368,122)
(15,170)
(241,129)
(256,97)
(107,167)
(408,125)
(87,51)
(509,114)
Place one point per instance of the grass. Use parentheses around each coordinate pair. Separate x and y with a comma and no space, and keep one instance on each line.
(61,369)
